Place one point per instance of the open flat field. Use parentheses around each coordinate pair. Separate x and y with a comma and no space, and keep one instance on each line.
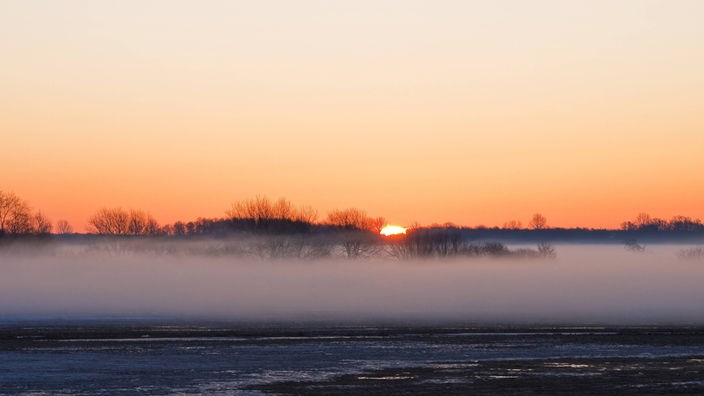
(348,360)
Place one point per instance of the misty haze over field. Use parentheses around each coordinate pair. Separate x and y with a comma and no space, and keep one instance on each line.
(594,284)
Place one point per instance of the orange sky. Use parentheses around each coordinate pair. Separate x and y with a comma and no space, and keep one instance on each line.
(474,112)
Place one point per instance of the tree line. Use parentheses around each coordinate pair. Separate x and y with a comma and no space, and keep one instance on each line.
(259,215)
(18,218)
(265,216)
(646,223)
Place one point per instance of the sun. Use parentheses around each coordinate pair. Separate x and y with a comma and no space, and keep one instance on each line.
(391,229)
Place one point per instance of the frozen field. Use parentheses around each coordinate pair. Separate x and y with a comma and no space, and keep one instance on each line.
(348,360)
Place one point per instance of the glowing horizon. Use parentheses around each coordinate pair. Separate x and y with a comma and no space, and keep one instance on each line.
(390,229)
(476,113)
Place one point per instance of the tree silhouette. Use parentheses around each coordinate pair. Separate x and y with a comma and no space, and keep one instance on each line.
(354,219)
(513,225)
(21,221)
(14,214)
(41,224)
(262,215)
(110,221)
(118,221)
(646,223)
(142,223)
(359,231)
(16,217)
(179,228)
(63,227)
(538,222)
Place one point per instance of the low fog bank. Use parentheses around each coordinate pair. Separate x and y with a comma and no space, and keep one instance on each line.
(584,284)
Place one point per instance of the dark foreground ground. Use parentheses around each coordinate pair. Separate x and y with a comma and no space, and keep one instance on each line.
(358,360)
(597,376)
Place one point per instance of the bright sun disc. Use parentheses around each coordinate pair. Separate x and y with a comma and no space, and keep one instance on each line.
(392,230)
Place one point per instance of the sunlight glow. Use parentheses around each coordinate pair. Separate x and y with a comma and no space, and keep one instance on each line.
(390,229)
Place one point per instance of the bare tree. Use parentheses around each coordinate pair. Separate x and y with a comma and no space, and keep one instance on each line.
(16,217)
(538,222)
(152,227)
(376,224)
(261,210)
(41,224)
(118,221)
(643,220)
(110,221)
(360,231)
(142,223)
(63,227)
(257,209)
(14,214)
(353,218)
(435,241)
(347,218)
(20,221)
(179,228)
(306,214)
(546,250)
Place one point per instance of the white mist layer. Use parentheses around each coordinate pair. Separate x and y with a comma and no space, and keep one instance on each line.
(585,284)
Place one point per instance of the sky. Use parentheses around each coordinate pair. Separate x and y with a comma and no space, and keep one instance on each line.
(473,112)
